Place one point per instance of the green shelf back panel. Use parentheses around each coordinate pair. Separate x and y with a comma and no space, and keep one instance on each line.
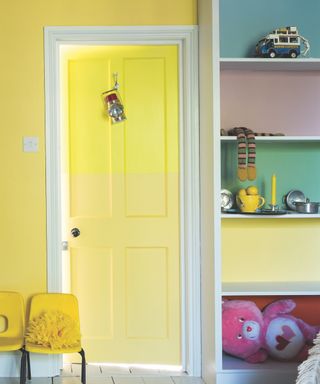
(244,22)
(296,165)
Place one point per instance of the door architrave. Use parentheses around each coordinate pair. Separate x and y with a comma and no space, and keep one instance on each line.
(185,37)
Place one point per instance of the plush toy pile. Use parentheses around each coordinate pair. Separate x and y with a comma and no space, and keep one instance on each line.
(54,330)
(255,335)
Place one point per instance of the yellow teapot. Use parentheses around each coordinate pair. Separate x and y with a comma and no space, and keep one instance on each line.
(249,200)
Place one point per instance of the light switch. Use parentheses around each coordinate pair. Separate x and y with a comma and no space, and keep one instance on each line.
(30,144)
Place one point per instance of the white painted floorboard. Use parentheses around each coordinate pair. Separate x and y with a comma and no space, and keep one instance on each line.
(109,374)
(76,380)
(129,380)
(112,375)
(187,380)
(38,380)
(157,380)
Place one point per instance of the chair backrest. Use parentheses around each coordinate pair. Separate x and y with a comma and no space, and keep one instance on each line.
(12,314)
(48,302)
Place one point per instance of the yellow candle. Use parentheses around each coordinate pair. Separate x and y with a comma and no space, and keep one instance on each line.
(273,190)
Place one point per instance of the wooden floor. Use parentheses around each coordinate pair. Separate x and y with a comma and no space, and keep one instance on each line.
(112,375)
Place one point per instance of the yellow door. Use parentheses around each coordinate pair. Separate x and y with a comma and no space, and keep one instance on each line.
(124,199)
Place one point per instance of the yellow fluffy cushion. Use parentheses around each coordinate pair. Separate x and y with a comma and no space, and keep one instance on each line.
(54,330)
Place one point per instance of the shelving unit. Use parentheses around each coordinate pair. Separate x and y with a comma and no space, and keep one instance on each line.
(251,256)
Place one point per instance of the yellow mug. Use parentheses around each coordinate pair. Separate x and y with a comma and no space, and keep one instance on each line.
(250,203)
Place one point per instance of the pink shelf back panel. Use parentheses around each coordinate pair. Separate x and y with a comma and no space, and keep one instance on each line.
(271,101)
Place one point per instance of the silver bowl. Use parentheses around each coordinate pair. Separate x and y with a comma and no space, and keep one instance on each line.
(227,199)
(294,196)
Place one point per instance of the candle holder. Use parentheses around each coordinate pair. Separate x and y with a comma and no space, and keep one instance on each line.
(274,207)
(273,210)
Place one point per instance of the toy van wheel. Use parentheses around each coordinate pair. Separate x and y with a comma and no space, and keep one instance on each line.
(293,54)
(272,54)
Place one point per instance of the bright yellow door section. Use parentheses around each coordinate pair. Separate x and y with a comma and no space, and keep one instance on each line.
(124,198)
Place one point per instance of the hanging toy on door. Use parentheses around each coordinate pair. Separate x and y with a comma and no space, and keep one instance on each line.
(113,104)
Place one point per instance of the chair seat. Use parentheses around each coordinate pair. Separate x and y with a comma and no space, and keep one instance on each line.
(41,349)
(10,343)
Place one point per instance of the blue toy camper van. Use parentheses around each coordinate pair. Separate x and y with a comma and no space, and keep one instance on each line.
(283,42)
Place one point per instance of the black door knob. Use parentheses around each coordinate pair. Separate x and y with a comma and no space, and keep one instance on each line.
(75,232)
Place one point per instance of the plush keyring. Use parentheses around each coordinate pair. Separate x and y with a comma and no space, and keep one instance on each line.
(254,335)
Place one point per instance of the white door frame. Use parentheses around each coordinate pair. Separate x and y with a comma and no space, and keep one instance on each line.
(185,37)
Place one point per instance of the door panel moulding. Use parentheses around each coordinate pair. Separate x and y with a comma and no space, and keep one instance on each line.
(186,38)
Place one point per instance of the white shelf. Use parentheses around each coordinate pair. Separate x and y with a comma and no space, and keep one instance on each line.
(265,64)
(232,363)
(285,139)
(238,371)
(289,215)
(274,288)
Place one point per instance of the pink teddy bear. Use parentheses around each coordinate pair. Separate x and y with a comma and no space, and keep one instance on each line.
(253,335)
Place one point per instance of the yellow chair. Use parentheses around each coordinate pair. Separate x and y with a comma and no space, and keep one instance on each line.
(12,327)
(55,303)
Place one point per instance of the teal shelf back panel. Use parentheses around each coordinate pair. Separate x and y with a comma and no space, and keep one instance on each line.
(296,165)
(244,22)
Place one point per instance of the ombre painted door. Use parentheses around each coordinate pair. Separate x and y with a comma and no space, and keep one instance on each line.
(123,182)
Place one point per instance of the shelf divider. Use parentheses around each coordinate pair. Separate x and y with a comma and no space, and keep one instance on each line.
(265,64)
(284,139)
(274,288)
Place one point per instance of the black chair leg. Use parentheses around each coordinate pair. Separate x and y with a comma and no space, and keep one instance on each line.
(83,367)
(23,366)
(29,365)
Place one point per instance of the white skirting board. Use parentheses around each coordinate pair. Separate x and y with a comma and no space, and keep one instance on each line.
(256,378)
(41,365)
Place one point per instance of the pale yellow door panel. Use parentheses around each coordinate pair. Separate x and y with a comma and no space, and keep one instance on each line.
(124,198)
